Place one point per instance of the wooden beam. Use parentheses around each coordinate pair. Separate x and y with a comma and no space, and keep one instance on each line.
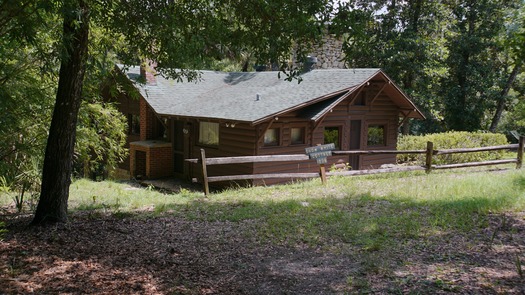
(379,92)
(405,117)
(475,164)
(261,136)
(316,125)
(356,94)
(256,159)
(262,176)
(472,150)
(520,153)
(322,172)
(375,171)
(378,152)
(204,173)
(429,154)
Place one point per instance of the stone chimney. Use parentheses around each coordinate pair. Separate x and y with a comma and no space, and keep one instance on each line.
(148,72)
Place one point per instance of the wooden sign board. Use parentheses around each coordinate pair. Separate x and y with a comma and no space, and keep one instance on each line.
(320,152)
(323,160)
(320,148)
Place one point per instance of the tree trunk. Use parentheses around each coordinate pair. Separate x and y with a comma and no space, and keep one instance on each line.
(56,175)
(503,98)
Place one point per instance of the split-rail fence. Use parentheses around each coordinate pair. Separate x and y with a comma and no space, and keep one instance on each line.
(429,152)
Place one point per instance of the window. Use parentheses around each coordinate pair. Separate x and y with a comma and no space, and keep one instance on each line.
(376,135)
(271,137)
(297,135)
(134,124)
(332,135)
(209,133)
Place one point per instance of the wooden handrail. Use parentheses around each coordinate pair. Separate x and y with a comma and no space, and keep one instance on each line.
(261,176)
(378,152)
(473,150)
(474,164)
(252,159)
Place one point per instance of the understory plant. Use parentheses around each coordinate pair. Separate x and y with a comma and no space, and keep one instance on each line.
(452,140)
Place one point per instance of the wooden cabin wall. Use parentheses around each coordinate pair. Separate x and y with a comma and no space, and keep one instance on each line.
(381,112)
(285,124)
(233,141)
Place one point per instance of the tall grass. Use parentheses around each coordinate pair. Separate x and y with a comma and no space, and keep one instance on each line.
(121,196)
(369,212)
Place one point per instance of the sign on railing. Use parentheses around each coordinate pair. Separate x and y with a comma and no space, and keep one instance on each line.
(320,152)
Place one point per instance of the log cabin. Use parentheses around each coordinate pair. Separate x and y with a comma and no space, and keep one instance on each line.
(258,113)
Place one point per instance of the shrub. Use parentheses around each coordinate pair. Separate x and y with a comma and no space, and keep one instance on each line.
(2,230)
(452,140)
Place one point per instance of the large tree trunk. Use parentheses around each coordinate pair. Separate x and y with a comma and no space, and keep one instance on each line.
(56,177)
(503,98)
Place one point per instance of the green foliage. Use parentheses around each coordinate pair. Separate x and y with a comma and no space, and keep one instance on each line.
(472,86)
(451,140)
(404,38)
(184,35)
(331,135)
(101,139)
(193,34)
(376,135)
(514,120)
(2,230)
(25,89)
(452,58)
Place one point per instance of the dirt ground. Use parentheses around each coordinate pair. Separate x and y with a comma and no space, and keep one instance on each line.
(167,255)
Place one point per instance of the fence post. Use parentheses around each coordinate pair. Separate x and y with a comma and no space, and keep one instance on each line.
(520,152)
(322,172)
(204,173)
(429,154)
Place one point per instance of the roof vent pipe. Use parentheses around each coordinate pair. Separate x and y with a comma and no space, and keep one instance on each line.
(309,63)
(257,97)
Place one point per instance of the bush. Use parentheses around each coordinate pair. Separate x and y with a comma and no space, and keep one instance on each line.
(2,230)
(452,140)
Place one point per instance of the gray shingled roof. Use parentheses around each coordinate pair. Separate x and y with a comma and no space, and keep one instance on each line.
(233,96)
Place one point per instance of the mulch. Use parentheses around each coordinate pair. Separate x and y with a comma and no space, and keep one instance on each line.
(169,255)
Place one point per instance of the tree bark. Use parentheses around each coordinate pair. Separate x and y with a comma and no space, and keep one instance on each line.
(56,175)
(503,98)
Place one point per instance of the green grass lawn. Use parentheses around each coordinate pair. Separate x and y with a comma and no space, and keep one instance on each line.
(367,211)
(401,232)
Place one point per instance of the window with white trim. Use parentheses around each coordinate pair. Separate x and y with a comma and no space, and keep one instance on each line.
(272,137)
(297,135)
(209,133)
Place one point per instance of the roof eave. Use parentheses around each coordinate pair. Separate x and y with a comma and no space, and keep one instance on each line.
(418,114)
(300,106)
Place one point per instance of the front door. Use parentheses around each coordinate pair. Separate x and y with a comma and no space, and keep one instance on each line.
(178,148)
(355,143)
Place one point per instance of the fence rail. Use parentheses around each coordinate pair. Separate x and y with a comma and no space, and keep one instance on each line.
(429,152)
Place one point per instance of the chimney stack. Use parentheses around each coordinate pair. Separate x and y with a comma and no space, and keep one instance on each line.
(148,72)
